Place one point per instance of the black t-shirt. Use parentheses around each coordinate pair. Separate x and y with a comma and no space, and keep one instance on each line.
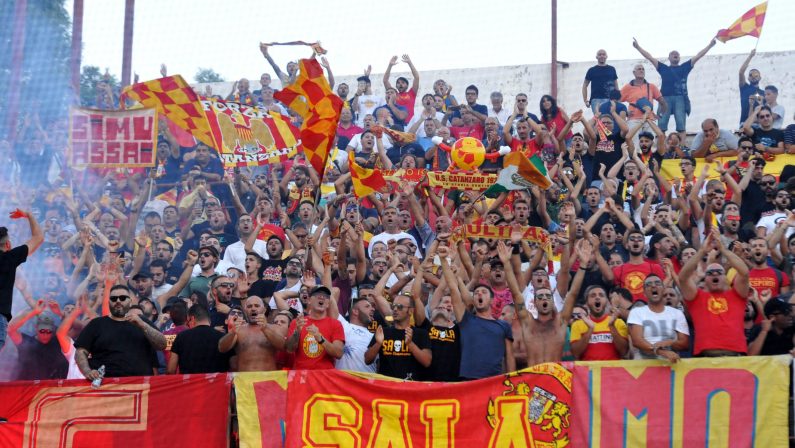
(775,344)
(8,271)
(197,349)
(395,359)
(446,349)
(39,361)
(602,79)
(270,276)
(118,345)
(608,152)
(754,203)
(769,138)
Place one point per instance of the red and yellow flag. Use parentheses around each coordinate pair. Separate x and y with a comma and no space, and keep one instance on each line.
(311,97)
(750,24)
(366,181)
(175,99)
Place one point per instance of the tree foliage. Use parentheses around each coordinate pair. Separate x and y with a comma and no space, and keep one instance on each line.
(45,67)
(90,76)
(208,75)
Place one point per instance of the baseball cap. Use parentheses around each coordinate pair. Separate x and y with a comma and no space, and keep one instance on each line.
(45,321)
(777,306)
(142,274)
(320,289)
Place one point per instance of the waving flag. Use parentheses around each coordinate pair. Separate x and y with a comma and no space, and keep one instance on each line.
(175,99)
(750,24)
(519,173)
(366,181)
(311,97)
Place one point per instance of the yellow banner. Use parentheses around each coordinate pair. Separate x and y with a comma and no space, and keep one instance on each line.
(670,167)
(724,402)
(261,426)
(461,181)
(530,234)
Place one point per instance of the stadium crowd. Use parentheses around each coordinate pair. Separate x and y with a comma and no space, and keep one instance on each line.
(250,269)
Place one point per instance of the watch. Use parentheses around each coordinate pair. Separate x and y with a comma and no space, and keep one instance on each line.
(322,340)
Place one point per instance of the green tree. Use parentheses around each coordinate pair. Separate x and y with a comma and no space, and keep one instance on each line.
(90,76)
(45,77)
(208,75)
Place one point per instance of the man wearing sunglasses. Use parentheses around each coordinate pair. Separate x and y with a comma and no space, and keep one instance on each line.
(657,331)
(632,274)
(717,309)
(123,342)
(403,351)
(767,139)
(317,340)
(39,356)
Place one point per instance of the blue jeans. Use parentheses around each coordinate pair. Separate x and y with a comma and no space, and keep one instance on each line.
(595,103)
(3,330)
(676,106)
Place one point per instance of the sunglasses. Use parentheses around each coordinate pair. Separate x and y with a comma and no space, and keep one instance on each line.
(714,272)
(653,283)
(764,116)
(118,298)
(45,331)
(543,296)
(399,307)
(767,183)
(205,254)
(578,315)
(226,285)
(295,263)
(636,239)
(718,192)
(746,147)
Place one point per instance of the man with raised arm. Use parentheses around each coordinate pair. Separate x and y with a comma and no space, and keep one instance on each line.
(9,260)
(317,339)
(406,97)
(545,336)
(674,85)
(718,308)
(486,343)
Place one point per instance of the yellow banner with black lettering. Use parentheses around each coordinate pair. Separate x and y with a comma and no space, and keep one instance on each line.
(670,167)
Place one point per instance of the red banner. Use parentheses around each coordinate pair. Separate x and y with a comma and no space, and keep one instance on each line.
(160,411)
(336,409)
(112,138)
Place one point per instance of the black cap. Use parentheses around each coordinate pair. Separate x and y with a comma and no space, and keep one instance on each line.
(142,274)
(777,306)
(318,289)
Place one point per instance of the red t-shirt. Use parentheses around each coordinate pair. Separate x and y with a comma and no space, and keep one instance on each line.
(632,276)
(349,132)
(718,321)
(460,132)
(311,355)
(528,147)
(767,279)
(407,100)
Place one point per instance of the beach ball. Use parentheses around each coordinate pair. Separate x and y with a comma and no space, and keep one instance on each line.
(468,153)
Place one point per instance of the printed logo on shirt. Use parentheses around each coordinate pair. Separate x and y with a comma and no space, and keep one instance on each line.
(717,305)
(395,347)
(311,347)
(634,282)
(445,335)
(605,146)
(601,338)
(273,273)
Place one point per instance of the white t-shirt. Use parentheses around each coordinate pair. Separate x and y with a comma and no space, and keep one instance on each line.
(235,253)
(421,128)
(367,105)
(292,302)
(769,221)
(657,326)
(158,291)
(74,372)
(357,339)
(220,269)
(384,237)
(356,143)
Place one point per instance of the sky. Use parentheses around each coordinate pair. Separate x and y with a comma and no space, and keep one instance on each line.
(438,34)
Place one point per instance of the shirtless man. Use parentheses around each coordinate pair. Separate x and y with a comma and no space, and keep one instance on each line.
(545,336)
(508,314)
(255,340)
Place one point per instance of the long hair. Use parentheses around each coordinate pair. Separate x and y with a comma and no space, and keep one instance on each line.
(547,115)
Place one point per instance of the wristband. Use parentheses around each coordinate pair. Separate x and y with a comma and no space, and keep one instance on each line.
(517,249)
(322,340)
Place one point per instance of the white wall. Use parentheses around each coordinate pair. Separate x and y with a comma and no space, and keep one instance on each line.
(713,83)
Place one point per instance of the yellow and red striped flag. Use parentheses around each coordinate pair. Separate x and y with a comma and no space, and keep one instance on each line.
(366,181)
(169,196)
(750,24)
(311,97)
(175,99)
